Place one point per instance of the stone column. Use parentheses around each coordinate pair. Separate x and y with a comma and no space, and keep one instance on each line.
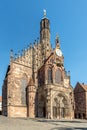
(48,105)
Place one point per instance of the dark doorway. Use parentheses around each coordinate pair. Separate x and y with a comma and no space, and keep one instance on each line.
(0,112)
(75,115)
(84,116)
(54,112)
(79,116)
(62,112)
(44,112)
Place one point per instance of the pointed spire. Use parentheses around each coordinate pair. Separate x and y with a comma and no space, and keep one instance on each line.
(57,38)
(37,40)
(30,45)
(68,73)
(57,42)
(11,55)
(22,52)
(15,56)
(19,54)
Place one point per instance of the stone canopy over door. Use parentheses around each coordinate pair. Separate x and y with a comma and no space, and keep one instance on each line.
(60,107)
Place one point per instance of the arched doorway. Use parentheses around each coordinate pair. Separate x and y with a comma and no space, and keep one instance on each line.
(42,107)
(60,106)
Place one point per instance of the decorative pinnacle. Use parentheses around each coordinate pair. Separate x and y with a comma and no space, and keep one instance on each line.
(11,52)
(57,38)
(44,12)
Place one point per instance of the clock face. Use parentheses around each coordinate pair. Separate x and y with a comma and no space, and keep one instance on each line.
(58,52)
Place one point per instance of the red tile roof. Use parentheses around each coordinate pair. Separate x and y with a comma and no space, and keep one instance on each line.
(84,86)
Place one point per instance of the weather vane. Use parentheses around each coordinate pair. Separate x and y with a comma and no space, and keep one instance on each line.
(44,12)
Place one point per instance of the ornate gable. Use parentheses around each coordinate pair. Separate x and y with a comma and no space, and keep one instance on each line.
(79,88)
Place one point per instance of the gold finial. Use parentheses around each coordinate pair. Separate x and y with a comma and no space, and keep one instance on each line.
(44,12)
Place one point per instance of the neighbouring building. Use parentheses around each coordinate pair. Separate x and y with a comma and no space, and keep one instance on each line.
(0,105)
(36,83)
(80,95)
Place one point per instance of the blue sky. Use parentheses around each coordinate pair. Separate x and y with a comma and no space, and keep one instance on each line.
(20,25)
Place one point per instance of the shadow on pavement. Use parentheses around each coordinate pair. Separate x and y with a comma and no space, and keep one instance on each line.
(72,121)
(55,122)
(58,128)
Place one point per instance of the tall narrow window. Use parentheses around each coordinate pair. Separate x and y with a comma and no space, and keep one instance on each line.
(50,76)
(58,76)
(23,91)
(44,24)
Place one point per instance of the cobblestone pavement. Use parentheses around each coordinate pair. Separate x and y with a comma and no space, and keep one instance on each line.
(41,124)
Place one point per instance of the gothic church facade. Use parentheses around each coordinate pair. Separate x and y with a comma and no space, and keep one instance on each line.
(36,83)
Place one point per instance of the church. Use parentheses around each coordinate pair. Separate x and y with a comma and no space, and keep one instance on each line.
(36,83)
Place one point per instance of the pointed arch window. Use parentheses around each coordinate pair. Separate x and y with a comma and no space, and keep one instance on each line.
(23,89)
(58,76)
(50,76)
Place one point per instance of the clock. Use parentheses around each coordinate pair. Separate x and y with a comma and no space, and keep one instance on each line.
(58,52)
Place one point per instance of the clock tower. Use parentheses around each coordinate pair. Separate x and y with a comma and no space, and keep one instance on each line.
(59,59)
(58,50)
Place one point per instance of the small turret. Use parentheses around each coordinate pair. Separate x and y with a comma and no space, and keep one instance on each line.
(31,99)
